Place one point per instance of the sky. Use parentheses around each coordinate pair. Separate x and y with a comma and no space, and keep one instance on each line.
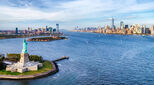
(72,13)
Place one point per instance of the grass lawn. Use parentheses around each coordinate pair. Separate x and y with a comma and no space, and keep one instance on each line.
(46,67)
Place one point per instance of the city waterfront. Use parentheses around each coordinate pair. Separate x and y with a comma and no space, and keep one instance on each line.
(93,59)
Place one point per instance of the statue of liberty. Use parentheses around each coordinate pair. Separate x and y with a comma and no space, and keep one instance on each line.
(24,50)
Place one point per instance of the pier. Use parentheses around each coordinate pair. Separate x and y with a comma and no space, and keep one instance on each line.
(62,58)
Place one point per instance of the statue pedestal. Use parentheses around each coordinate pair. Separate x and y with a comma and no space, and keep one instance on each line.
(24,58)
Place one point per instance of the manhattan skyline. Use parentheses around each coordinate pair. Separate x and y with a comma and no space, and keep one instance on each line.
(72,13)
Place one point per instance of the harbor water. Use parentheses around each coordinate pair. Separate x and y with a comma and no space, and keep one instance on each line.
(94,59)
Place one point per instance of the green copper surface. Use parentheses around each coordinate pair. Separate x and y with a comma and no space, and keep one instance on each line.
(24,50)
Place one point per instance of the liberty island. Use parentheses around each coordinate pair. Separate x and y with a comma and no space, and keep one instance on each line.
(24,64)
(27,67)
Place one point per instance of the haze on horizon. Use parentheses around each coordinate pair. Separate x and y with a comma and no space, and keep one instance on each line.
(72,13)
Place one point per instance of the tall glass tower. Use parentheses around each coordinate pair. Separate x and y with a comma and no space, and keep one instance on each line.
(121,25)
(57,28)
(113,22)
(16,30)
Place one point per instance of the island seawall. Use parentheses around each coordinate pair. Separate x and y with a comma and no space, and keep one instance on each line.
(45,39)
(39,75)
(9,36)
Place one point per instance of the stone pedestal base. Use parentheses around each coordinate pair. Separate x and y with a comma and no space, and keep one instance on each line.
(24,58)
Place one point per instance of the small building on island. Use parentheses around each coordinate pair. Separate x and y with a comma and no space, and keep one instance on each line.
(24,64)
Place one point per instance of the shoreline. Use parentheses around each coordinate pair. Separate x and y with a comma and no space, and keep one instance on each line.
(39,75)
(118,34)
(46,39)
(11,36)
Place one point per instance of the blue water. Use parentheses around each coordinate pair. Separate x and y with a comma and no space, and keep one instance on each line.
(95,59)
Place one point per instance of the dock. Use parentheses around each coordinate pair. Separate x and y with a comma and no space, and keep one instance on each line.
(62,58)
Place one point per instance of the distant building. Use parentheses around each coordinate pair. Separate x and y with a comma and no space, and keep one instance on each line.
(29,29)
(143,28)
(25,31)
(126,26)
(113,27)
(147,31)
(107,27)
(16,30)
(152,29)
(121,25)
(43,30)
(137,29)
(99,29)
(47,28)
(50,29)
(57,28)
(35,31)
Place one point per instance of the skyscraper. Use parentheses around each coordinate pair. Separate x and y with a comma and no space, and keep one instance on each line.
(126,26)
(143,28)
(16,30)
(57,28)
(152,29)
(147,30)
(121,25)
(113,23)
(29,29)
(46,28)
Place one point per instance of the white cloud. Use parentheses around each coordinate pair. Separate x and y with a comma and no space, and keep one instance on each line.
(20,14)
(137,7)
(74,10)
